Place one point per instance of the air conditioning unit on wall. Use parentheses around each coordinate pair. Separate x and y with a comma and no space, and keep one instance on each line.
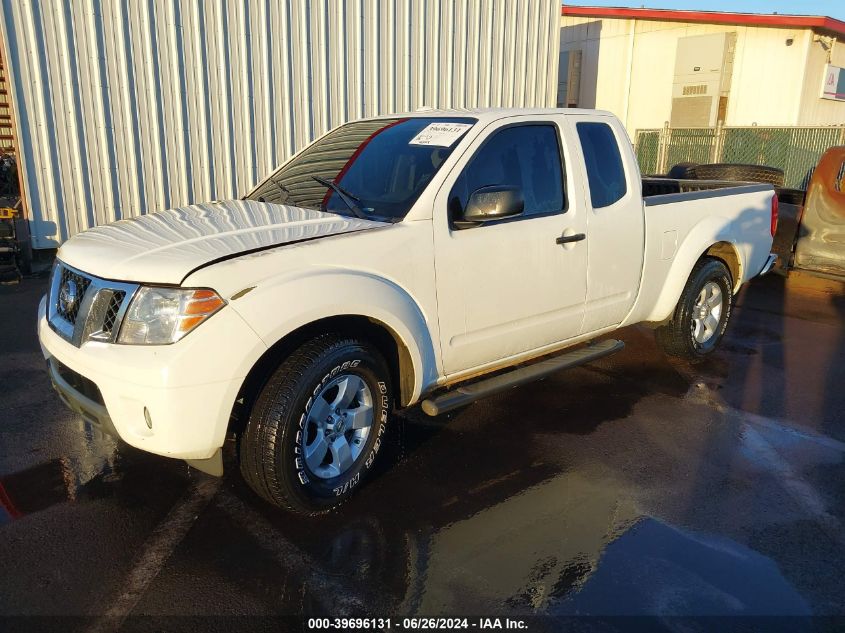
(569,79)
(702,81)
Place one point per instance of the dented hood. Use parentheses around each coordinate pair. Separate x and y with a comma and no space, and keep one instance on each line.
(166,246)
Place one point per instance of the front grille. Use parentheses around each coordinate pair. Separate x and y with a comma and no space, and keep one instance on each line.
(70,279)
(112,310)
(84,308)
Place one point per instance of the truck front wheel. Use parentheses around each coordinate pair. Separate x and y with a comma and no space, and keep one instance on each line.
(702,313)
(317,424)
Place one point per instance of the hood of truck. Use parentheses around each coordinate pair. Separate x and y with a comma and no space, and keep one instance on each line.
(166,246)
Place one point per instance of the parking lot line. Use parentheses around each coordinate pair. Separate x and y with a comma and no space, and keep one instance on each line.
(337,598)
(155,552)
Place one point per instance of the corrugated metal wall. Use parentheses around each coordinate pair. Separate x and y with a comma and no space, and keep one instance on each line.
(127,107)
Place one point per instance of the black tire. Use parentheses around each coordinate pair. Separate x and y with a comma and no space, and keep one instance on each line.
(272,444)
(791,196)
(677,336)
(681,171)
(737,173)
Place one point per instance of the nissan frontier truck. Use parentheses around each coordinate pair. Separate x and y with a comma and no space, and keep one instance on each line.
(435,257)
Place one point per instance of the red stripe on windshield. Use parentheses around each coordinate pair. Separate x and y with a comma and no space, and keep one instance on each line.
(355,156)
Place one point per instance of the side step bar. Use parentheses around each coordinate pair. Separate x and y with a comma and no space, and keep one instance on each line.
(464,395)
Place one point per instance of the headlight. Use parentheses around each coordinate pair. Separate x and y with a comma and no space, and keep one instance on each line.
(158,316)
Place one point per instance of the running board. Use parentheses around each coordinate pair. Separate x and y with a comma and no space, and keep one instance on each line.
(466,394)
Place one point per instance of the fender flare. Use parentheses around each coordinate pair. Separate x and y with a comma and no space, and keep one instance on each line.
(700,238)
(321,294)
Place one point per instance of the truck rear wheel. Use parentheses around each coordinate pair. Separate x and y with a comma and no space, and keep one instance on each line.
(702,313)
(317,425)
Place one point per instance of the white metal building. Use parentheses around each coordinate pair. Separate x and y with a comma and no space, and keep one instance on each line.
(126,107)
(700,68)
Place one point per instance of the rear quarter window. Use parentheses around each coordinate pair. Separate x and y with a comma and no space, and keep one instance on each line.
(605,172)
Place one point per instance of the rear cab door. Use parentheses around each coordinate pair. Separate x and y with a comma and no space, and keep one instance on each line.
(507,288)
(614,218)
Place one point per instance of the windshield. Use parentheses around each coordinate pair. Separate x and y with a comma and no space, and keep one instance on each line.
(378,167)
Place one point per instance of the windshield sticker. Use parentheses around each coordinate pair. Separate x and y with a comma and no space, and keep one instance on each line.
(440,134)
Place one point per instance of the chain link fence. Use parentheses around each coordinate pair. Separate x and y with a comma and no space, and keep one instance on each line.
(795,150)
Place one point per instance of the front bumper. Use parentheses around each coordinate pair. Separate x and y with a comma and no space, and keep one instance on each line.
(186,390)
(78,398)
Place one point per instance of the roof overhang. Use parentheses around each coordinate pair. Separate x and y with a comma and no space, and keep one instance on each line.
(814,22)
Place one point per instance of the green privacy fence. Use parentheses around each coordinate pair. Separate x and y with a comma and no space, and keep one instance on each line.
(795,150)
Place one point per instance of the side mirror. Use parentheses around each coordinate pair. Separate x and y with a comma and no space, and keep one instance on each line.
(494,202)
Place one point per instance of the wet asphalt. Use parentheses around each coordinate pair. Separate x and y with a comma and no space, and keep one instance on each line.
(635,486)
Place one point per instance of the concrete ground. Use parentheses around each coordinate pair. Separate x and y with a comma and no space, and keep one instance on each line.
(636,486)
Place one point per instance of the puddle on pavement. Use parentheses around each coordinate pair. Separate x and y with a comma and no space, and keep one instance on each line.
(49,483)
(97,467)
(654,568)
(565,537)
(93,459)
(34,489)
(570,546)
(567,545)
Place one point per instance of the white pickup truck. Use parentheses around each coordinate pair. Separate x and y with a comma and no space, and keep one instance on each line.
(438,256)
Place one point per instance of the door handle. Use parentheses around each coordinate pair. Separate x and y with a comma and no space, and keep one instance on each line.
(566,239)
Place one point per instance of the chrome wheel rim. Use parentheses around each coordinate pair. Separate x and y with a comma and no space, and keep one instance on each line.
(337,426)
(707,312)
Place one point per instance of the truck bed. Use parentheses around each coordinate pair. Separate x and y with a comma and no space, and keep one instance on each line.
(659,185)
(713,212)
(791,202)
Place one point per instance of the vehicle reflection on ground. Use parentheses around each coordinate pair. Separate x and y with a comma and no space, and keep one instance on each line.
(80,473)
(566,546)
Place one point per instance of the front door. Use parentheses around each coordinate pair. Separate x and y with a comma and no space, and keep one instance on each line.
(508,287)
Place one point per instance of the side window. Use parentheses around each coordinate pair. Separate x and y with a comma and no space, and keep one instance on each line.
(605,173)
(525,156)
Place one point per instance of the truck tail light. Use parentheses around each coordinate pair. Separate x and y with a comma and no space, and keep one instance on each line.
(774,214)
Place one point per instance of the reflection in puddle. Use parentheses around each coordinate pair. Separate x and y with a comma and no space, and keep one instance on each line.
(526,550)
(657,569)
(574,546)
(550,579)
(46,484)
(34,489)
(564,539)
(570,537)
